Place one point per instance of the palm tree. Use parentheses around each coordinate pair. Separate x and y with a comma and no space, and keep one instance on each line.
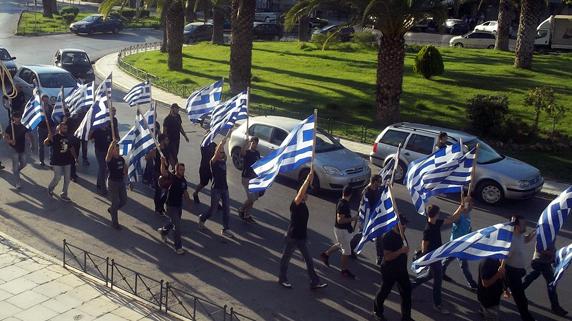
(175,25)
(190,11)
(242,21)
(219,9)
(48,8)
(503,25)
(530,12)
(393,18)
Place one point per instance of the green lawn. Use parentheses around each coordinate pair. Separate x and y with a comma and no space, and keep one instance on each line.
(341,83)
(35,23)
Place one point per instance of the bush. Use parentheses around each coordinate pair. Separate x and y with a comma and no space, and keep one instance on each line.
(429,62)
(68,17)
(320,40)
(365,38)
(306,46)
(128,13)
(69,10)
(144,13)
(488,115)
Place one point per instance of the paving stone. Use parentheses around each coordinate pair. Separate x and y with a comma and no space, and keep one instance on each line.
(68,302)
(52,289)
(86,292)
(7,310)
(71,280)
(4,295)
(131,314)
(72,315)
(29,266)
(12,319)
(110,317)
(27,299)
(58,306)
(98,306)
(18,286)
(37,313)
(11,272)
(42,276)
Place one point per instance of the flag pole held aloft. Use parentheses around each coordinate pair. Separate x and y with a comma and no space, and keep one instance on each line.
(314,139)
(471,184)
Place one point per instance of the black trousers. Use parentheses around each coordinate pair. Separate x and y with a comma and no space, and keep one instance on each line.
(389,278)
(75,144)
(514,283)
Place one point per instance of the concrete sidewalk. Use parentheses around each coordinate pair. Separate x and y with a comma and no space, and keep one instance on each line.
(34,287)
(123,80)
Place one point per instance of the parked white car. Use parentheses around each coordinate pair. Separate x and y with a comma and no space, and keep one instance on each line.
(474,39)
(48,79)
(489,26)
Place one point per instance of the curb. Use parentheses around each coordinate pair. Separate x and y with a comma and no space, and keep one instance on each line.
(27,247)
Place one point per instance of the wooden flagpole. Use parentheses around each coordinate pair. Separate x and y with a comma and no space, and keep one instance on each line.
(314,139)
(396,164)
(471,184)
(399,225)
(108,94)
(11,113)
(247,111)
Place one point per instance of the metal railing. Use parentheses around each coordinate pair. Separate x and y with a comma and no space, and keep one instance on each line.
(162,295)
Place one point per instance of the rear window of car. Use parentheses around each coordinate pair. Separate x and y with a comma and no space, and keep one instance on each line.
(394,137)
(261,131)
(421,144)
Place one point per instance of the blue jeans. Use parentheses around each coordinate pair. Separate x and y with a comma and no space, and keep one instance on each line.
(174,213)
(216,196)
(58,172)
(547,272)
(18,162)
(435,273)
(101,170)
(464,264)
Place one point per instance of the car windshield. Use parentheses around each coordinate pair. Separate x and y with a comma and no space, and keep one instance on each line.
(4,55)
(190,27)
(91,18)
(57,80)
(326,143)
(75,58)
(487,154)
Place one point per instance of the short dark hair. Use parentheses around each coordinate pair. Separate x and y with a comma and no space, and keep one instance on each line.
(347,191)
(443,134)
(433,210)
(174,106)
(254,139)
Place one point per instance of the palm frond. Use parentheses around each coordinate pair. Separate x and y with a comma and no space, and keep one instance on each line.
(107,5)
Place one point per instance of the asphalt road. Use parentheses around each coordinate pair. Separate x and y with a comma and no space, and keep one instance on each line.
(240,272)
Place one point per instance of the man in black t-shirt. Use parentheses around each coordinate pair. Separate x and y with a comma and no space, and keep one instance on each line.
(490,288)
(62,158)
(249,156)
(296,237)
(394,270)
(102,137)
(431,241)
(73,123)
(18,143)
(205,175)
(173,127)
(154,157)
(343,231)
(373,193)
(175,193)
(219,191)
(117,173)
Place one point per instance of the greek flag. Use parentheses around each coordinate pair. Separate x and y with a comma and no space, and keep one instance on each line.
(563,260)
(203,101)
(97,116)
(225,116)
(58,113)
(143,143)
(387,171)
(139,94)
(445,171)
(33,113)
(126,142)
(379,221)
(80,99)
(295,151)
(493,242)
(151,116)
(552,219)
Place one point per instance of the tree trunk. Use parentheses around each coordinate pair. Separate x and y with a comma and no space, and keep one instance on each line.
(530,11)
(218,25)
(175,26)
(47,5)
(390,57)
(304,29)
(242,20)
(166,5)
(503,26)
(190,11)
(456,8)
(54,4)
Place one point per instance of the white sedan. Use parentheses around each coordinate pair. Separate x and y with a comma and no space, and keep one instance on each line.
(474,40)
(489,26)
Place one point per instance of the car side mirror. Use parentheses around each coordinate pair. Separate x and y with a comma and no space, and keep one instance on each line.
(13,58)
(92,62)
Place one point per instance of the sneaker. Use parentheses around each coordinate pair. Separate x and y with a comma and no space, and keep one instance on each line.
(378,261)
(227,233)
(348,274)
(180,251)
(65,198)
(559,311)
(441,309)
(378,317)
(42,164)
(447,278)
(285,284)
(74,179)
(18,186)
(325,259)
(163,234)
(117,227)
(318,286)
(50,193)
(241,214)
(196,198)
(250,220)
(2,166)
(109,210)
(202,226)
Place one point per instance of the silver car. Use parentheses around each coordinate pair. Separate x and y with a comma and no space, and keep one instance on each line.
(335,166)
(49,80)
(474,39)
(496,177)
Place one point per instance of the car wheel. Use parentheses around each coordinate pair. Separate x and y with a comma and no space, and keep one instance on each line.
(89,32)
(315,187)
(490,192)
(237,158)
(459,45)
(115,30)
(491,47)
(399,175)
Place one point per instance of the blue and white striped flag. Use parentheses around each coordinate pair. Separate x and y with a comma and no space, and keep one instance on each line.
(552,219)
(98,115)
(387,171)
(58,113)
(143,143)
(563,260)
(445,171)
(203,101)
(295,151)
(489,242)
(151,116)
(225,116)
(138,95)
(80,99)
(126,142)
(380,220)
(33,113)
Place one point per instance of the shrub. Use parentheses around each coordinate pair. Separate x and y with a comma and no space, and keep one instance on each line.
(69,10)
(365,38)
(429,62)
(541,98)
(306,46)
(324,41)
(488,115)
(144,13)
(68,17)
(128,13)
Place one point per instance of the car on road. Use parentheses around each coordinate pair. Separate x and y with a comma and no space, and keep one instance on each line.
(335,166)
(198,31)
(488,26)
(96,23)
(77,62)
(267,31)
(474,39)
(48,79)
(344,32)
(456,26)
(425,25)
(8,61)
(497,177)
(316,22)
(267,16)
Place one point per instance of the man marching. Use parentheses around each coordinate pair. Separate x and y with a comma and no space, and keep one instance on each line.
(63,156)
(17,141)
(117,173)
